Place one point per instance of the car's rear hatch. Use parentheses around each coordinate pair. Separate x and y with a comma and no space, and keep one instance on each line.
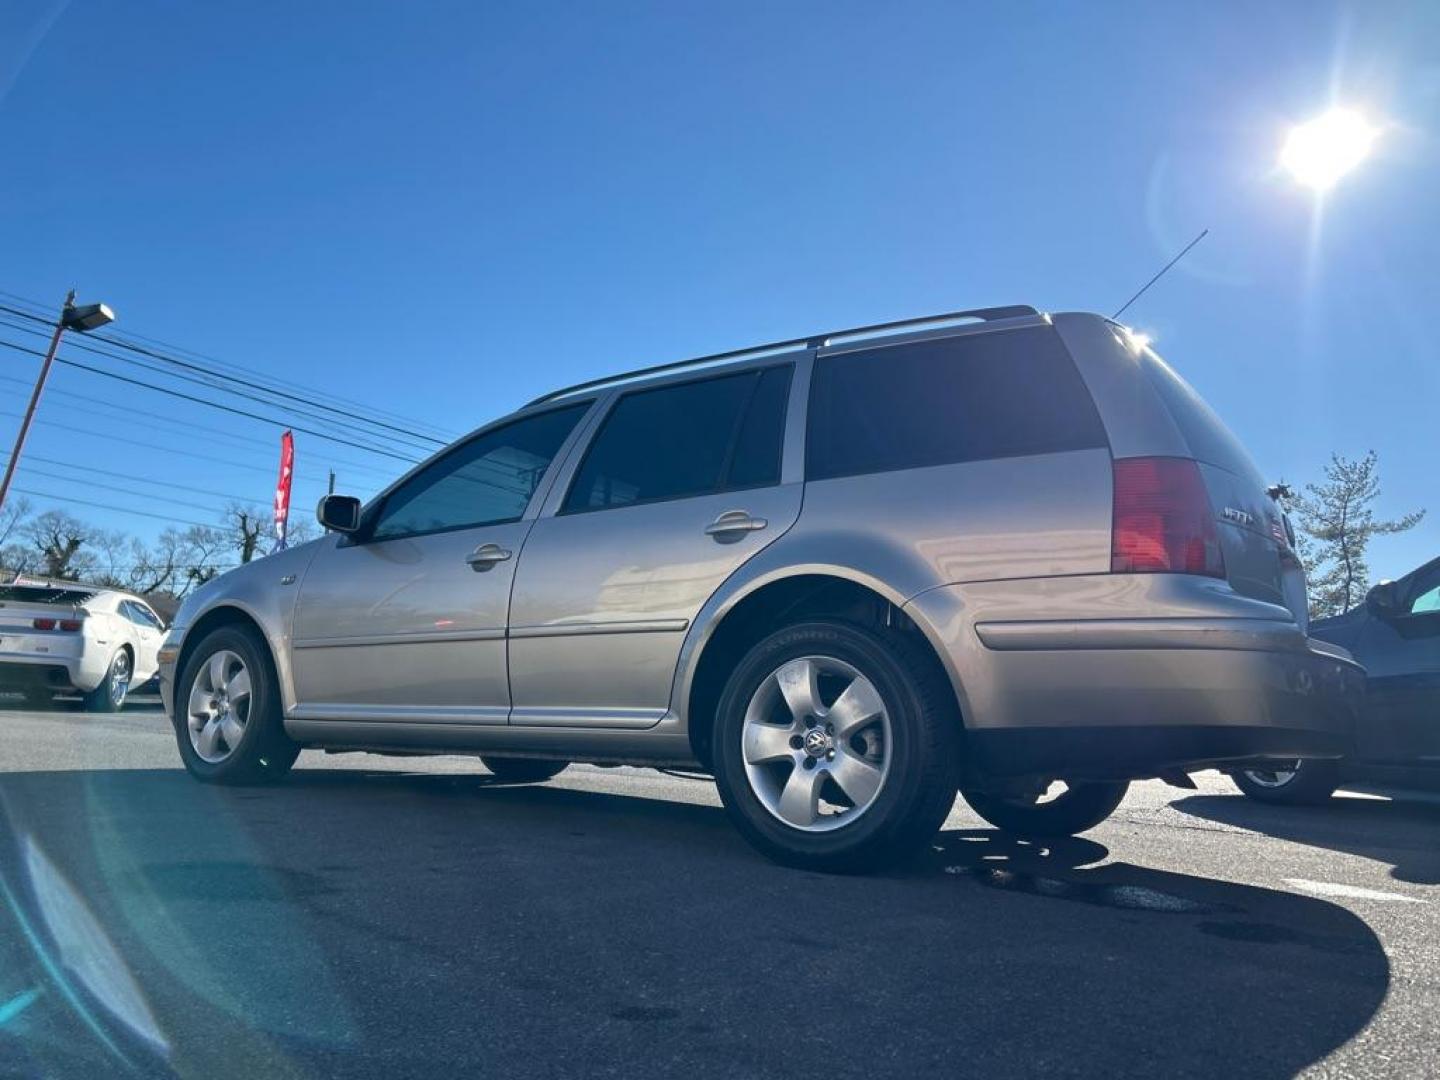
(41,621)
(1255,539)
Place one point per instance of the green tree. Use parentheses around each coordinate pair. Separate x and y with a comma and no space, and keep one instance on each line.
(1337,518)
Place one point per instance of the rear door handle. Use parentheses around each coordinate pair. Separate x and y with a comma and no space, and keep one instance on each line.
(732,525)
(486,556)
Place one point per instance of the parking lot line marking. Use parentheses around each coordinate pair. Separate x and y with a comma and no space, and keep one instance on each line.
(1334,888)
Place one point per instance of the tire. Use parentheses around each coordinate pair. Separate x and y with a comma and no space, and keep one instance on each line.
(248,710)
(1305,783)
(110,695)
(911,747)
(1078,808)
(523,770)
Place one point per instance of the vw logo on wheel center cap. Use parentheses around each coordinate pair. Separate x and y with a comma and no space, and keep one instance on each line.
(817,743)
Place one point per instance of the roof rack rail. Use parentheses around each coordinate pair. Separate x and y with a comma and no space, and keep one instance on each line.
(1012,311)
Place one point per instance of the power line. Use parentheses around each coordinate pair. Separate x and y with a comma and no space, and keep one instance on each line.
(116,509)
(221,388)
(210,435)
(213,404)
(162,448)
(107,486)
(131,477)
(310,400)
(111,568)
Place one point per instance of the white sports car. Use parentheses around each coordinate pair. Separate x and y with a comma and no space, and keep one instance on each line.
(58,636)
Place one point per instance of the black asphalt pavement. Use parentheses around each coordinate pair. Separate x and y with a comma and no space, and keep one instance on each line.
(389,917)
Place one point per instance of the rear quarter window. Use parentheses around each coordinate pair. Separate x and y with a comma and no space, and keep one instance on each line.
(968,398)
(1200,426)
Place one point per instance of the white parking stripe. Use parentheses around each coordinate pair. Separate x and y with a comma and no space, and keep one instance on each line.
(1333,888)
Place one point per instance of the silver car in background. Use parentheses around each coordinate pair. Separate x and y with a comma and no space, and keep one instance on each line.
(60,636)
(994,552)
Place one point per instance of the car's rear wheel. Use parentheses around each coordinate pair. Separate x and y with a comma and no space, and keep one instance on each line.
(1289,783)
(227,711)
(1072,809)
(523,770)
(836,748)
(110,695)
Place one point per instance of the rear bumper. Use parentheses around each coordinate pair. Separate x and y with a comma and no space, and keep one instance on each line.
(24,672)
(1133,697)
(1128,712)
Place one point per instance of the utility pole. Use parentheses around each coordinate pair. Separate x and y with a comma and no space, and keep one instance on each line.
(83,319)
(332,482)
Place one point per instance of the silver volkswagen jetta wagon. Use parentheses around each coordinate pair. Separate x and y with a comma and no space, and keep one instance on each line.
(994,552)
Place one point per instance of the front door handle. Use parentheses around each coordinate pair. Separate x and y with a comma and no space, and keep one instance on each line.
(486,556)
(733,524)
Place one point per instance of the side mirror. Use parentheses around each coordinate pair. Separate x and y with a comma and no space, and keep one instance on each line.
(339,512)
(1383,601)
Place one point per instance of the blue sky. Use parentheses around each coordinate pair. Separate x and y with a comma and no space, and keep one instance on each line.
(444,209)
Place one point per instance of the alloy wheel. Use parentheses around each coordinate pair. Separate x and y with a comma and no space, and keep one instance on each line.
(1276,777)
(816,743)
(219,706)
(119,678)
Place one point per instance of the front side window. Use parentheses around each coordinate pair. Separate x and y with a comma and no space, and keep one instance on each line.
(967,398)
(696,438)
(485,481)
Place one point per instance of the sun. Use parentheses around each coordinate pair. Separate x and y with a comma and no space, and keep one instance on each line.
(1319,152)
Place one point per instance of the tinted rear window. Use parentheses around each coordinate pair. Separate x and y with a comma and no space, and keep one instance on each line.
(694,438)
(987,395)
(43,594)
(755,461)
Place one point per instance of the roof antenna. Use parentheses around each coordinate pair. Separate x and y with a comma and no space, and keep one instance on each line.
(1203,233)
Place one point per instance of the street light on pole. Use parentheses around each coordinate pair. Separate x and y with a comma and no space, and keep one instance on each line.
(82,319)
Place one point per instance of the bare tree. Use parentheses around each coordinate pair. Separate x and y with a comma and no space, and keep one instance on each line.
(14,556)
(14,512)
(58,539)
(205,546)
(156,567)
(246,525)
(1337,518)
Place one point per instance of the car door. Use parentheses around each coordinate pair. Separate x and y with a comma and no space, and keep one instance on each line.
(405,619)
(1401,653)
(148,633)
(681,484)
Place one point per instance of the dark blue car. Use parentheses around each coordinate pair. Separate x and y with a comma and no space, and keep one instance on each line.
(1396,635)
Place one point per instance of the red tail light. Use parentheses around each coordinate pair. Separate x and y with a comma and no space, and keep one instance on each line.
(44,624)
(1163,520)
(70,625)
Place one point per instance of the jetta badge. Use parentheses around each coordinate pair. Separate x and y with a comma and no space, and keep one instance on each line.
(1240,517)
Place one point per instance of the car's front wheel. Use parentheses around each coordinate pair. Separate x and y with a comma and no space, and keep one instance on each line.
(836,748)
(227,711)
(1289,783)
(1071,809)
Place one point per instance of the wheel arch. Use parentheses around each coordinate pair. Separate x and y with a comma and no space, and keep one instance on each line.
(748,614)
(224,614)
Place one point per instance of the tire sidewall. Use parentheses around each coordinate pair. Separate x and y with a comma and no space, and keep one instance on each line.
(263,721)
(885,821)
